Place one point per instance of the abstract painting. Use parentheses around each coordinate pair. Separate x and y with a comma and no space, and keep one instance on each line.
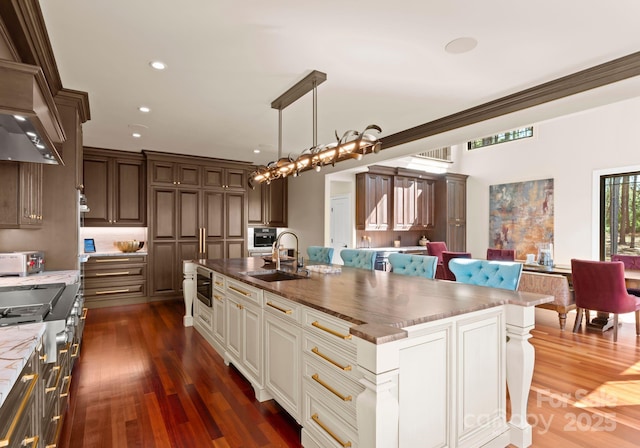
(521,216)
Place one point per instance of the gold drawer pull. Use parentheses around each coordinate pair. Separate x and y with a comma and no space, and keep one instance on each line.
(244,293)
(317,379)
(33,441)
(204,319)
(218,298)
(329,330)
(328,431)
(51,389)
(68,380)
(84,313)
(219,284)
(326,358)
(272,305)
(23,405)
(77,350)
(113,291)
(113,259)
(106,274)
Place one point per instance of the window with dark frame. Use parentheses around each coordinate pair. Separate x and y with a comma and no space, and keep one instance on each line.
(619,214)
(503,137)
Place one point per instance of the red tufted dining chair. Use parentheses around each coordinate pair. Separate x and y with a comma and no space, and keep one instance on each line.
(448,255)
(501,254)
(600,286)
(435,249)
(632,263)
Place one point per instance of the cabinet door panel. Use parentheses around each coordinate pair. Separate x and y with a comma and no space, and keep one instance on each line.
(252,353)
(214,214)
(237,179)
(188,214)
(256,209)
(163,270)
(276,198)
(164,214)
(161,172)
(215,249)
(234,327)
(96,188)
(129,203)
(213,176)
(236,249)
(235,215)
(188,175)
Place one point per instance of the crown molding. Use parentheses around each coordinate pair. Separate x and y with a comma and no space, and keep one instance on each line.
(600,75)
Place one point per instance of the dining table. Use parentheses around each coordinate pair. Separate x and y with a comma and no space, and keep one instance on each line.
(603,321)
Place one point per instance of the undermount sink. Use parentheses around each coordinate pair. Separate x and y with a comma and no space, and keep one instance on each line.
(274,275)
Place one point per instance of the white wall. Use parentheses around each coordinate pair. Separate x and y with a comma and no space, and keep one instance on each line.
(569,150)
(573,145)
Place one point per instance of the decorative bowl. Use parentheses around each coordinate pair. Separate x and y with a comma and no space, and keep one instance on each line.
(129,246)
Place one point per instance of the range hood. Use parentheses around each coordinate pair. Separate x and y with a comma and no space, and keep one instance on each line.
(30,125)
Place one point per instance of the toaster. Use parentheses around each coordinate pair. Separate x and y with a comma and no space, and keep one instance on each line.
(21,263)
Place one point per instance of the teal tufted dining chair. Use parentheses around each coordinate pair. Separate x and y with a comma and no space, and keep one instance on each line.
(319,253)
(496,274)
(414,265)
(363,259)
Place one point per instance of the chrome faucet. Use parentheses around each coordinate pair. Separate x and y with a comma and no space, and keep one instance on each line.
(276,248)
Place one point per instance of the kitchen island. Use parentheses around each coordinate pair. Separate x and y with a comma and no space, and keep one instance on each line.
(374,359)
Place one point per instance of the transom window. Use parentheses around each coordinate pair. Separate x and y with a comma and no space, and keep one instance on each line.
(508,136)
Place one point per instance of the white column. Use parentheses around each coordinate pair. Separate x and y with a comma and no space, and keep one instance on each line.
(189,292)
(377,406)
(520,360)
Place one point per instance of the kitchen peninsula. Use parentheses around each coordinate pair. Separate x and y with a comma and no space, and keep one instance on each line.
(370,358)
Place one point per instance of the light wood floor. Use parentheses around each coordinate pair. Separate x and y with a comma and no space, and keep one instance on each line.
(144,380)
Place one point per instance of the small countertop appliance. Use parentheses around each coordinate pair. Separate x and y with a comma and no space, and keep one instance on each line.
(21,263)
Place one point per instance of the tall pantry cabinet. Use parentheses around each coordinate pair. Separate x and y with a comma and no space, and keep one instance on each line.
(197,209)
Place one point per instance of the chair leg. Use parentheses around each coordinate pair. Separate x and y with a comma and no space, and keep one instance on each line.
(615,327)
(638,323)
(578,321)
(563,320)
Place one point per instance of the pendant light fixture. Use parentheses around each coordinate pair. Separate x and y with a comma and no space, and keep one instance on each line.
(352,144)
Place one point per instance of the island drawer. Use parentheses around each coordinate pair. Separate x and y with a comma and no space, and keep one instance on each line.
(324,424)
(219,282)
(203,317)
(284,308)
(338,392)
(336,360)
(239,289)
(334,329)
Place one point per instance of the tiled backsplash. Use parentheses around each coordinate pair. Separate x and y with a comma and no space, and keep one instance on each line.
(104,237)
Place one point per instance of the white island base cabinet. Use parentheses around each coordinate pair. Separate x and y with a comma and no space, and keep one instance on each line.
(443,385)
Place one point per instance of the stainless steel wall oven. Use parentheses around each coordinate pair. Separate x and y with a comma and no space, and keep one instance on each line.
(204,286)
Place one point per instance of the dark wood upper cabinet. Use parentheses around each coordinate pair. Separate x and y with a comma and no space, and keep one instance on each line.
(169,173)
(21,195)
(374,199)
(414,200)
(225,178)
(268,204)
(115,188)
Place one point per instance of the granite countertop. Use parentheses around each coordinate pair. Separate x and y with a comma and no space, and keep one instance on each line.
(17,343)
(379,303)
(394,248)
(67,277)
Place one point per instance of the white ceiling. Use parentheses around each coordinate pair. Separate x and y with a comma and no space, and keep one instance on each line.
(385,64)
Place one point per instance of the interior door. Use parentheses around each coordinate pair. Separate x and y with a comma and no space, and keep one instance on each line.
(341,224)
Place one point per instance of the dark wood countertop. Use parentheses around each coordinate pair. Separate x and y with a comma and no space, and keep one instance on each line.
(379,303)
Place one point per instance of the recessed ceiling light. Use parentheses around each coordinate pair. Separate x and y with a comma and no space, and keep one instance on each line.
(461,45)
(19,118)
(256,151)
(136,135)
(144,109)
(158,65)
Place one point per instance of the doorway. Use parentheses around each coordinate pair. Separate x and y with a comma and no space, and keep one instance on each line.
(340,225)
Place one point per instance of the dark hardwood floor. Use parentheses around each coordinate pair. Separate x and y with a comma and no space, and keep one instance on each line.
(144,380)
